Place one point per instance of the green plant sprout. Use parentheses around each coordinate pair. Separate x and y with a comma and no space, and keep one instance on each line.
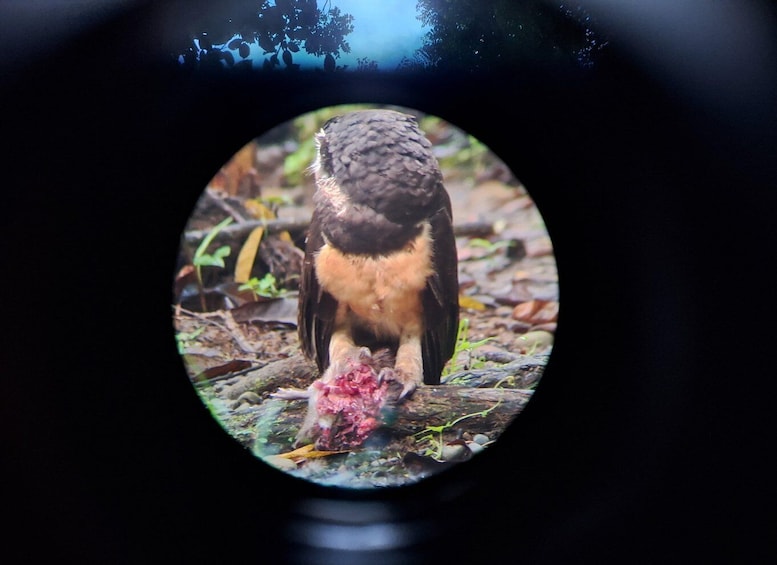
(266,286)
(436,441)
(275,202)
(475,152)
(491,247)
(473,155)
(533,349)
(203,259)
(463,345)
(184,339)
(295,164)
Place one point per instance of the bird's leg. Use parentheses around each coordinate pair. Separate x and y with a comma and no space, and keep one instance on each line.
(342,349)
(409,368)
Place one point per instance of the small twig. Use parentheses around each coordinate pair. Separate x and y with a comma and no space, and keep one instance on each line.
(242,229)
(231,326)
(203,316)
(225,206)
(526,368)
(237,333)
(200,384)
(473,229)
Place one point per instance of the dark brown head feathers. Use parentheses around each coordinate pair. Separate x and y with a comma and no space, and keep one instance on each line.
(377,180)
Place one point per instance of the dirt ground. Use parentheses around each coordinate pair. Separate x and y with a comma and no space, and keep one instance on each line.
(241,347)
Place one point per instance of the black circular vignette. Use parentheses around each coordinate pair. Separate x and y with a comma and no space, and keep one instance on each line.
(634,446)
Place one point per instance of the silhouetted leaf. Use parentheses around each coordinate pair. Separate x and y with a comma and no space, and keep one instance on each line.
(266,43)
(287,26)
(329,63)
(274,60)
(228,57)
(481,35)
(285,6)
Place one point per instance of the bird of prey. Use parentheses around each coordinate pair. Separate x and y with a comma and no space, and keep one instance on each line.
(380,266)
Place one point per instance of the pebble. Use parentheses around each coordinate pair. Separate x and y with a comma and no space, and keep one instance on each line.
(475,447)
(535,340)
(454,452)
(250,397)
(481,439)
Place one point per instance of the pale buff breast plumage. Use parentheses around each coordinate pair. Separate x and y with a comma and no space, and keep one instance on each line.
(383,291)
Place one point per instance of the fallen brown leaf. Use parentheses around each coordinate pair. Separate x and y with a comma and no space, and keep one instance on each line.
(471,303)
(273,310)
(536,312)
(308,452)
(247,256)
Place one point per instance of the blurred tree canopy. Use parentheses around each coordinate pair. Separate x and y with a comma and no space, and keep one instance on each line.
(223,36)
(464,35)
(476,35)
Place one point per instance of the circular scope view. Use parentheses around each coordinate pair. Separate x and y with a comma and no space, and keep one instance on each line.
(365,296)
